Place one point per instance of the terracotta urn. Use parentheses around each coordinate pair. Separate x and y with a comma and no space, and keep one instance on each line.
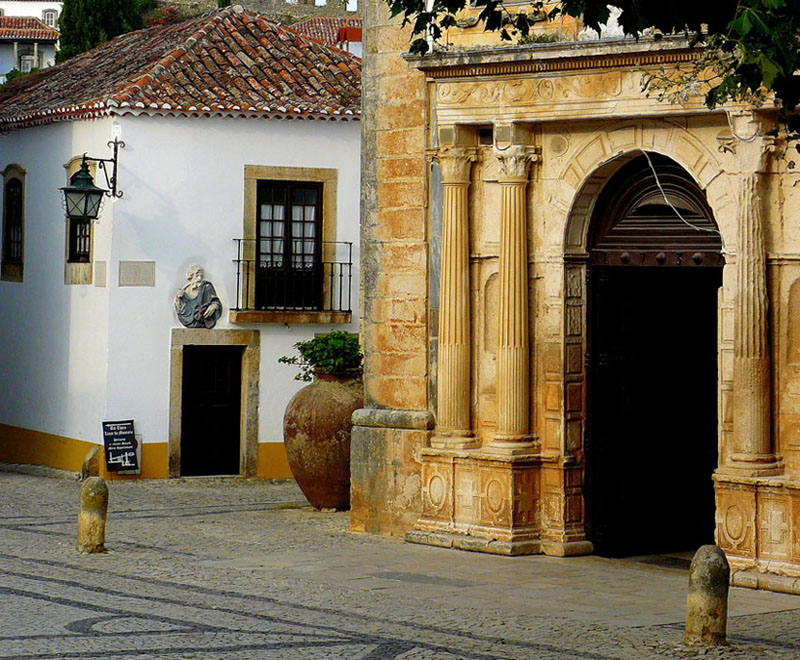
(316,431)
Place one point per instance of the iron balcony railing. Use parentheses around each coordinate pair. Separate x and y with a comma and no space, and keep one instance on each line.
(314,276)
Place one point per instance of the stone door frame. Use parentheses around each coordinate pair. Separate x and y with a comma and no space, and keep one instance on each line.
(250,340)
(576,264)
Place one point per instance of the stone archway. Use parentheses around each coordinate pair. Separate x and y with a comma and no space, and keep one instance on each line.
(577,319)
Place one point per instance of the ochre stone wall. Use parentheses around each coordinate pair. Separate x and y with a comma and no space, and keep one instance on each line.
(394,320)
(449,143)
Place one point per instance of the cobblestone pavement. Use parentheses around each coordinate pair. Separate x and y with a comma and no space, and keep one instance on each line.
(233,568)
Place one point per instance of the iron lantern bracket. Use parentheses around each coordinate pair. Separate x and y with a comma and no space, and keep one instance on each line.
(111,181)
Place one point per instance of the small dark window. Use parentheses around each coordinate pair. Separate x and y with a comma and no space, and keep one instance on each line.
(12,236)
(49,16)
(80,241)
(289,245)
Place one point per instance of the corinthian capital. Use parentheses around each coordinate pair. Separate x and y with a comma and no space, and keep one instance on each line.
(514,162)
(455,163)
(754,145)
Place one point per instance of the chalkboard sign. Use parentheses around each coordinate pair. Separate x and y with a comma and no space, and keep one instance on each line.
(120,444)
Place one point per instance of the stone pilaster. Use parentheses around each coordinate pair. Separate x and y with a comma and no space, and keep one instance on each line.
(453,422)
(752,447)
(513,347)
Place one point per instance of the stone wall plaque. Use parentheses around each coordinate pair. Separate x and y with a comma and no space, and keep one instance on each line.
(137,273)
(120,445)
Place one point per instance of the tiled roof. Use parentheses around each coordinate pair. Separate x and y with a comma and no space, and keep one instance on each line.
(26,27)
(326,28)
(231,63)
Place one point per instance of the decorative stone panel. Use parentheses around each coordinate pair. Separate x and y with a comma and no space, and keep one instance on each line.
(736,519)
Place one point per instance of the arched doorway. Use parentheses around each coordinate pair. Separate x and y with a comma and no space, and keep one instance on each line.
(655,267)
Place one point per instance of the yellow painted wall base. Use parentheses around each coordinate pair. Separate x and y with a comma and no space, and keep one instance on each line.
(272,463)
(19,445)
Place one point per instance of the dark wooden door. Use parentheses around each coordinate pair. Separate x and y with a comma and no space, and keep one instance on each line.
(211,407)
(652,427)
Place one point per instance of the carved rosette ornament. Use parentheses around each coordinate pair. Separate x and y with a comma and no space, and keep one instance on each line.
(453,425)
(513,348)
(752,451)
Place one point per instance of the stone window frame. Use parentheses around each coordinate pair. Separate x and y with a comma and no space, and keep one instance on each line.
(250,341)
(11,271)
(54,14)
(329,178)
(77,272)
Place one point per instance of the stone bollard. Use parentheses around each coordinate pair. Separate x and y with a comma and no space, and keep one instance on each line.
(92,515)
(91,463)
(707,602)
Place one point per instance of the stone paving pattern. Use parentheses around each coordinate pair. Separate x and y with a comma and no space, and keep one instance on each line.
(236,568)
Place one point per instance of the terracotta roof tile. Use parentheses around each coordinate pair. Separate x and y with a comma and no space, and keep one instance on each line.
(228,63)
(26,27)
(326,28)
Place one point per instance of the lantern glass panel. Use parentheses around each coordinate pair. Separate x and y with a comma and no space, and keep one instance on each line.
(93,200)
(75,202)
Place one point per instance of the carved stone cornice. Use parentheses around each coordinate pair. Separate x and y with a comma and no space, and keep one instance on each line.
(455,163)
(514,162)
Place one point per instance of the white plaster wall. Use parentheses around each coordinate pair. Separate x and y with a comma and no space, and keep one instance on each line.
(183,180)
(54,336)
(29,7)
(6,60)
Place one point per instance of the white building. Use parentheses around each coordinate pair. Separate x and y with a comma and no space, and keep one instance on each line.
(341,31)
(48,11)
(226,138)
(26,44)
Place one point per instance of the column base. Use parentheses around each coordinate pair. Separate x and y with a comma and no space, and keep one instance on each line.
(753,465)
(455,440)
(512,445)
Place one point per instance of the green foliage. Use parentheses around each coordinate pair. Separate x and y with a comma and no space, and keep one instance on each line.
(752,46)
(336,352)
(15,74)
(85,24)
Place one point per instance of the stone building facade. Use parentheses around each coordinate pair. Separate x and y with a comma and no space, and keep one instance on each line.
(580,307)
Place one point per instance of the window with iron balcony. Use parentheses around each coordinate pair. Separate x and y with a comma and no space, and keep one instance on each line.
(288,267)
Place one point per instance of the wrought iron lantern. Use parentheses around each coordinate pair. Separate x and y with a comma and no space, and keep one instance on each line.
(82,197)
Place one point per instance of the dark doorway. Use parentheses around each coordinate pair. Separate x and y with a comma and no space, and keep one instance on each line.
(651,438)
(210,411)
(652,441)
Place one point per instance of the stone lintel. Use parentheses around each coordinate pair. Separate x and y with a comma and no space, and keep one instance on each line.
(394,419)
(475,544)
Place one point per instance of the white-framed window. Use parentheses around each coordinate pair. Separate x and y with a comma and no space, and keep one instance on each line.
(26,63)
(50,17)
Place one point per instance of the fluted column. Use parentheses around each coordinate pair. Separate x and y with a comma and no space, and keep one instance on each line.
(513,346)
(453,422)
(752,441)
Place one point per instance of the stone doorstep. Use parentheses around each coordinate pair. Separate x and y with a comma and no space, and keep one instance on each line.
(779,583)
(474,544)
